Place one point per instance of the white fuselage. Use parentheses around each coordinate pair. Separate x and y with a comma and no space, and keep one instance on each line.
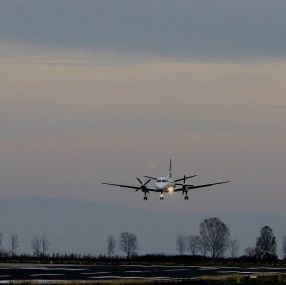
(165,184)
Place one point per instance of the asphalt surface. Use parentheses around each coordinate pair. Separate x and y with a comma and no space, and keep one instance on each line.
(15,272)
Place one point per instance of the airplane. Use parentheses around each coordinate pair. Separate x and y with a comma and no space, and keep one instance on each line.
(166,184)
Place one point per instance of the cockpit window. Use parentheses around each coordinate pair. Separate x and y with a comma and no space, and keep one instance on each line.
(159,180)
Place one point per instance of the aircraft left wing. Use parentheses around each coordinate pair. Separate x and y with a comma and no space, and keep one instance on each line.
(189,187)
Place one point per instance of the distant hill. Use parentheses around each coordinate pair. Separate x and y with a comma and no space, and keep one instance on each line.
(82,227)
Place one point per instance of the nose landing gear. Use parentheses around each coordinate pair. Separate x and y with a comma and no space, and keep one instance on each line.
(161,197)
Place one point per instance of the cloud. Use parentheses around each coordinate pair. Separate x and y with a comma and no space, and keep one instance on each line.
(197,28)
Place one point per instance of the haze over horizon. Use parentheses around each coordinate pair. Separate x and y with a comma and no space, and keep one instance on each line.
(96,91)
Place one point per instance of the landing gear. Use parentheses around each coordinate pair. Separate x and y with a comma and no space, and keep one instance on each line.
(145,198)
(161,197)
(186,197)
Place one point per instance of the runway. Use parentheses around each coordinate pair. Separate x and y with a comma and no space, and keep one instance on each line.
(13,272)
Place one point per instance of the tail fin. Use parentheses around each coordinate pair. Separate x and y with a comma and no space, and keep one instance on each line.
(170,169)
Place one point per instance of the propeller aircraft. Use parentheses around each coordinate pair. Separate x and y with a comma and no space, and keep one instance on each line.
(166,184)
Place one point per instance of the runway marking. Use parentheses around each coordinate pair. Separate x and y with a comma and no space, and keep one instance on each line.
(208,268)
(229,267)
(104,277)
(157,265)
(228,272)
(179,269)
(90,273)
(132,277)
(136,271)
(34,268)
(36,281)
(133,265)
(52,274)
(161,278)
(71,269)
(268,268)
(129,277)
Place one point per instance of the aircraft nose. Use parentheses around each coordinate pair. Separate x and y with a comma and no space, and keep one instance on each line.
(159,186)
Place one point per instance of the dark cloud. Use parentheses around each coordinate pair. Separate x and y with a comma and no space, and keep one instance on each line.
(205,28)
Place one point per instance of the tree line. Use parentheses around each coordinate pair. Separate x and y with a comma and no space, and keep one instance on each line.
(128,244)
(213,240)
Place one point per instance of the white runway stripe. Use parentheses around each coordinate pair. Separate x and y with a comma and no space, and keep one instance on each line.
(179,269)
(37,275)
(93,273)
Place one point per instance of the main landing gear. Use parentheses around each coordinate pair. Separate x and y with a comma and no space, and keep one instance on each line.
(186,197)
(145,198)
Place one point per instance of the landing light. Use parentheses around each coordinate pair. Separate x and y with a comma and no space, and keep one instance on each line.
(170,189)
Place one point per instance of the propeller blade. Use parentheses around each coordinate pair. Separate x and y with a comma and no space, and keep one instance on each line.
(139,180)
(185,177)
(147,181)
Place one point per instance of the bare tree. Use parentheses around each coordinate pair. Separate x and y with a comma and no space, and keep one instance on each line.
(128,243)
(44,244)
(215,236)
(266,243)
(233,246)
(40,245)
(2,250)
(36,245)
(1,239)
(111,244)
(204,247)
(284,247)
(181,244)
(250,251)
(194,244)
(14,244)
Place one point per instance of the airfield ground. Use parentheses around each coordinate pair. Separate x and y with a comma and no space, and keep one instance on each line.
(138,274)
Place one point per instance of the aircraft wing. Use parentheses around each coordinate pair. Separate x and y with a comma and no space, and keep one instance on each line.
(189,187)
(129,186)
(120,185)
(184,178)
(151,177)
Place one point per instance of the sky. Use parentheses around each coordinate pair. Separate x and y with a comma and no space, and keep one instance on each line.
(95,91)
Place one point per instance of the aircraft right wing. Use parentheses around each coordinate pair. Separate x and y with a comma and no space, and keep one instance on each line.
(190,187)
(136,188)
(205,185)
(120,185)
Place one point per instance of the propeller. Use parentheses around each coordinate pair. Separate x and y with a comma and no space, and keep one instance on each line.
(184,185)
(143,186)
(183,180)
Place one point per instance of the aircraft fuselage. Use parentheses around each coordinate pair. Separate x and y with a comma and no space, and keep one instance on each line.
(165,184)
